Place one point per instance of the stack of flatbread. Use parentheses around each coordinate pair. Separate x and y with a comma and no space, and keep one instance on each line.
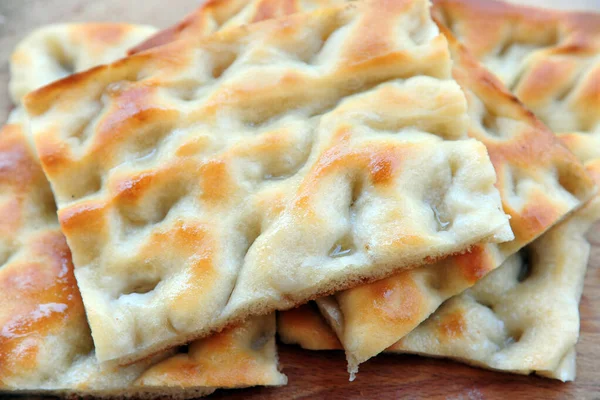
(386,174)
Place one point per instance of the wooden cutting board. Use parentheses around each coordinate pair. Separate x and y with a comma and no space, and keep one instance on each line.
(318,375)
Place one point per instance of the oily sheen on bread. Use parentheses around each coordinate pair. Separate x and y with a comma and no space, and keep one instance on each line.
(579,106)
(211,179)
(45,342)
(304,326)
(521,318)
(526,157)
(381,309)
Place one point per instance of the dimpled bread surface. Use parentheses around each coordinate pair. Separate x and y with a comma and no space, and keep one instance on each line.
(521,318)
(45,343)
(539,181)
(508,30)
(187,209)
(549,59)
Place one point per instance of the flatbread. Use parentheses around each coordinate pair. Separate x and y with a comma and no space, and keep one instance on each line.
(55,51)
(199,183)
(304,327)
(521,318)
(372,317)
(549,59)
(45,341)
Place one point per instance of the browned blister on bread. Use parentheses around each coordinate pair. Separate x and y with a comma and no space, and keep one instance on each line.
(523,317)
(216,15)
(306,327)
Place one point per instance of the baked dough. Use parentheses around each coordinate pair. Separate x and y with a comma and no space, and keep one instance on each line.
(367,313)
(55,51)
(522,318)
(211,179)
(45,341)
(370,318)
(306,327)
(582,147)
(549,59)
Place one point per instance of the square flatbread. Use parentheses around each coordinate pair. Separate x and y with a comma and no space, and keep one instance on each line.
(45,341)
(211,179)
(521,318)
(527,159)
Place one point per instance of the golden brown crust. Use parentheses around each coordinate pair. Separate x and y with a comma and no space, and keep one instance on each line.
(305,326)
(513,155)
(525,155)
(549,59)
(39,294)
(239,356)
(530,163)
(130,124)
(45,342)
(521,318)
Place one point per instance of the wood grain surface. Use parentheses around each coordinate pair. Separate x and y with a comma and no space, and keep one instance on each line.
(319,375)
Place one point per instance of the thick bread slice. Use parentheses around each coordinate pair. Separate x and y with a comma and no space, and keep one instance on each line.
(211,179)
(526,157)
